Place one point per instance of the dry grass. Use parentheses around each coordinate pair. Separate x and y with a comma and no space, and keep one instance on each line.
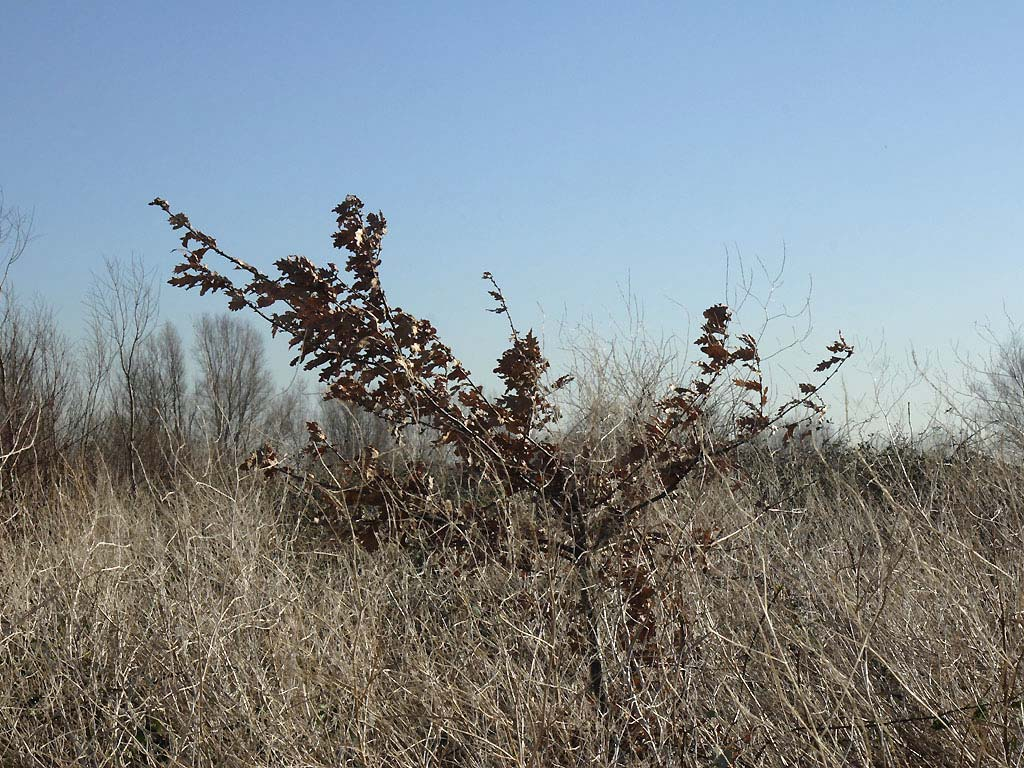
(862,627)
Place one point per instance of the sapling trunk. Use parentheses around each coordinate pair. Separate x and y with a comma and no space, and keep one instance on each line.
(588,610)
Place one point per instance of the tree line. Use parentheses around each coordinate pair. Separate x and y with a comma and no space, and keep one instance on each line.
(134,398)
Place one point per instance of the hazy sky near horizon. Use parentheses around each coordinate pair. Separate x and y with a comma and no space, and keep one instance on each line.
(576,150)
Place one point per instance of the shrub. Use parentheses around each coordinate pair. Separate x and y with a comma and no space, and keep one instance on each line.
(387,362)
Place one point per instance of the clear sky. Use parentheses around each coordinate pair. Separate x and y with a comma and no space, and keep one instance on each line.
(571,149)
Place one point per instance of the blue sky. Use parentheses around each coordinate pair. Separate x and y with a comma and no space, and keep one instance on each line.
(571,149)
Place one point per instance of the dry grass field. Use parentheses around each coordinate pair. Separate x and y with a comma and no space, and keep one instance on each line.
(874,619)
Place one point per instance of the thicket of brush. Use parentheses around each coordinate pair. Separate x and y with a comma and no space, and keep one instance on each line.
(873,619)
(664,579)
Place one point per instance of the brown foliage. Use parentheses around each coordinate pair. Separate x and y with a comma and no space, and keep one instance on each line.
(392,364)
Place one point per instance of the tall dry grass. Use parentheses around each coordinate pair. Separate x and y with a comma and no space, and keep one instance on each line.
(872,619)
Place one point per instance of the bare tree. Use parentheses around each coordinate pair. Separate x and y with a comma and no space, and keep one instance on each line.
(234,382)
(16,434)
(351,430)
(39,392)
(122,303)
(15,234)
(284,420)
(93,365)
(20,412)
(48,397)
(998,389)
(163,399)
(34,370)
